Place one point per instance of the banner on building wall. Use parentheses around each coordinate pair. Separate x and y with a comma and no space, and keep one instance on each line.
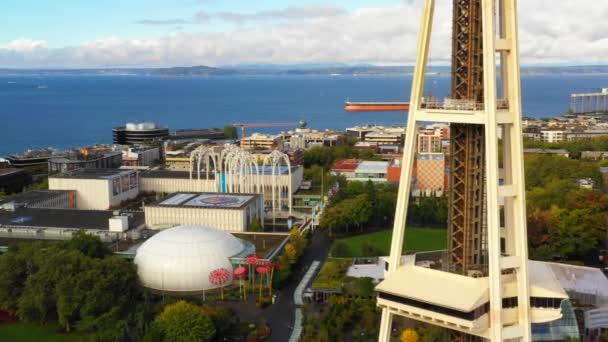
(115,186)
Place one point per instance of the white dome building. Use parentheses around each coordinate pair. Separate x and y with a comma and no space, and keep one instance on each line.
(180,259)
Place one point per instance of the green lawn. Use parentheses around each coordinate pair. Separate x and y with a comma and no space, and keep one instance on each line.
(26,332)
(416,240)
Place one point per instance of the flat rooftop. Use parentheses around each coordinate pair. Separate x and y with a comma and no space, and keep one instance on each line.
(63,218)
(280,170)
(9,171)
(372,167)
(346,164)
(173,174)
(206,200)
(33,196)
(545,151)
(93,173)
(581,279)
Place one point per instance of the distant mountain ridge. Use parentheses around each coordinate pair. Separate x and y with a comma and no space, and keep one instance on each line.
(330,70)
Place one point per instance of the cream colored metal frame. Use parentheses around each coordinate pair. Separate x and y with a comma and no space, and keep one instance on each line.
(494,115)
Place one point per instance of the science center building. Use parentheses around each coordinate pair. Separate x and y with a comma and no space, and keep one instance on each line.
(228,212)
(181,260)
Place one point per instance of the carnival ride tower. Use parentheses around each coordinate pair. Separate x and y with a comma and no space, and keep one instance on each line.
(482,290)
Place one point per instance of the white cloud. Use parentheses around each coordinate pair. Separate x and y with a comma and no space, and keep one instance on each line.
(550,32)
(160,22)
(24,45)
(303,12)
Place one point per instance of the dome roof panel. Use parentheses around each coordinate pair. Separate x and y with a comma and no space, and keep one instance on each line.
(180,259)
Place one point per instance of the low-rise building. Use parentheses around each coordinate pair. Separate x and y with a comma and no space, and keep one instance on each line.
(556,152)
(345,167)
(198,133)
(49,199)
(393,173)
(552,135)
(587,134)
(430,143)
(378,133)
(13,180)
(384,138)
(262,141)
(93,157)
(168,181)
(594,155)
(374,171)
(139,133)
(98,189)
(430,178)
(303,138)
(228,212)
(34,158)
(61,224)
(140,156)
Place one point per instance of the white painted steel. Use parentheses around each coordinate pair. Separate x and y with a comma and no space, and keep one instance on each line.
(513,193)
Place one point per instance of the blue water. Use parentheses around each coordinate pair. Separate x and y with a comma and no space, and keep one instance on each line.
(73,111)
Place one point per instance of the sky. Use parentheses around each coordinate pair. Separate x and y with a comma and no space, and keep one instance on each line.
(165,33)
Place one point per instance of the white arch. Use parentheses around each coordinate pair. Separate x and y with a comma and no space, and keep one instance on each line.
(240,169)
(206,155)
(274,160)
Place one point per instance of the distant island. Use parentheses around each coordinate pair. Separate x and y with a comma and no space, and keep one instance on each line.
(362,70)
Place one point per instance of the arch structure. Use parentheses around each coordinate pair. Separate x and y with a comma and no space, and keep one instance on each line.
(204,158)
(236,170)
(280,191)
(239,171)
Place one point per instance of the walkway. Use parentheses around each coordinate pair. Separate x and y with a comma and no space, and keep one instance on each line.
(297,299)
(281,315)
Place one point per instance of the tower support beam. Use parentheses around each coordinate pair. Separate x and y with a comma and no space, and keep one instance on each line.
(481,244)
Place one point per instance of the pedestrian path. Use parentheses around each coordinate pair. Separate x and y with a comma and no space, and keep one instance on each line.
(298,301)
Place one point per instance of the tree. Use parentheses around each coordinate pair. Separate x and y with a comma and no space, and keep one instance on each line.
(298,240)
(431,333)
(385,206)
(574,233)
(256,225)
(409,335)
(360,287)
(15,267)
(58,282)
(361,210)
(333,219)
(88,244)
(183,321)
(39,185)
(282,274)
(291,253)
(556,192)
(230,132)
(340,249)
(111,299)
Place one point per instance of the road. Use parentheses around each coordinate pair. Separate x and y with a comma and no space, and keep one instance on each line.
(280,316)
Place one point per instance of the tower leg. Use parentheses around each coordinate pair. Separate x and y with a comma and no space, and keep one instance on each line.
(386,324)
